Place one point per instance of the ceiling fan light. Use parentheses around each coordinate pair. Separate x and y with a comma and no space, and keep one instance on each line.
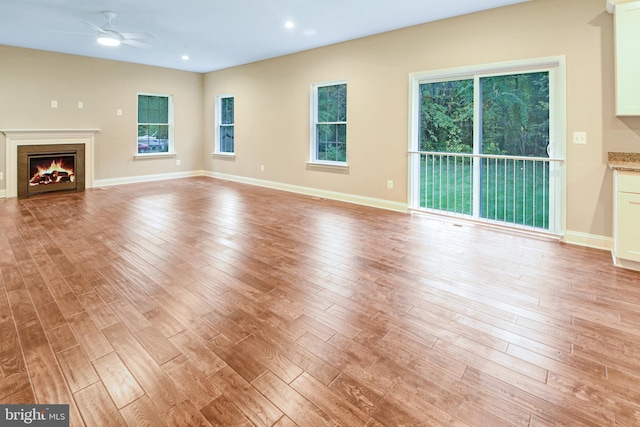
(105,40)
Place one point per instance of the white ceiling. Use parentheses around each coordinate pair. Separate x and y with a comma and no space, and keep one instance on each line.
(215,34)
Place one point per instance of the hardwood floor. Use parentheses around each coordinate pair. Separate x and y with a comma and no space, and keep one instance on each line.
(199,302)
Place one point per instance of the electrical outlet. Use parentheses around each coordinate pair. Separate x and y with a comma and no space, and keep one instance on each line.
(177,162)
(261,168)
(119,112)
(579,137)
(54,104)
(390,184)
(80,104)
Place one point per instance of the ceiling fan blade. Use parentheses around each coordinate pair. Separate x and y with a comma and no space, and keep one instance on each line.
(131,36)
(72,32)
(135,43)
(109,30)
(94,26)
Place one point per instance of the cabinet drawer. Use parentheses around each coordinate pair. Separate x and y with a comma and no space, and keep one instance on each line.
(629,182)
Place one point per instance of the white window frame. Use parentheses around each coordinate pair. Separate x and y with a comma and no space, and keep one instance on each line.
(171,148)
(556,66)
(218,125)
(313,160)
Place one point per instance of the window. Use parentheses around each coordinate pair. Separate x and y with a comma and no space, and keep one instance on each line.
(329,123)
(155,124)
(224,125)
(482,144)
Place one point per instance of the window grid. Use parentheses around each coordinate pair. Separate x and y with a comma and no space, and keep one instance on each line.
(329,137)
(225,129)
(154,124)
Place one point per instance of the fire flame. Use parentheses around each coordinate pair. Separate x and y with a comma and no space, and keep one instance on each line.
(55,166)
(53,173)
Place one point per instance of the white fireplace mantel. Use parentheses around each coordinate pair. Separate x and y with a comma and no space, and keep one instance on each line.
(17,137)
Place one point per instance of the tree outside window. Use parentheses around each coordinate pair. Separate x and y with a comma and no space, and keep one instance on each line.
(329,136)
(225,125)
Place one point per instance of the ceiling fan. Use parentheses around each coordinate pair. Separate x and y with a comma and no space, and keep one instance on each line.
(108,34)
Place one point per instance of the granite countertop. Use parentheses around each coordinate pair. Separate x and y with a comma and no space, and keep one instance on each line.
(624,161)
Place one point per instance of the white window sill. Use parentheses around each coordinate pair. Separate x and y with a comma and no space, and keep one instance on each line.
(337,166)
(146,156)
(227,156)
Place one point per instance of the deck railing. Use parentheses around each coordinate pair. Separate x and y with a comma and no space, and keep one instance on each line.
(509,190)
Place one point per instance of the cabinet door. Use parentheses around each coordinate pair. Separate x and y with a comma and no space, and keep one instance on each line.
(627,33)
(629,226)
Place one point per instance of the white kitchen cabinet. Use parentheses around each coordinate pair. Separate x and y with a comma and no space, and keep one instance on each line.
(627,40)
(627,219)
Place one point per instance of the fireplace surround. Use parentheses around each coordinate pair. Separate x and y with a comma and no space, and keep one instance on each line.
(48,141)
(50,168)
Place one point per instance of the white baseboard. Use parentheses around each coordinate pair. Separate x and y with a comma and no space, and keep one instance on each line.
(571,237)
(333,195)
(589,240)
(144,178)
(3,194)
(625,263)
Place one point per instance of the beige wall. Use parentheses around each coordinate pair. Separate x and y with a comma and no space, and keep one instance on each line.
(272,100)
(30,79)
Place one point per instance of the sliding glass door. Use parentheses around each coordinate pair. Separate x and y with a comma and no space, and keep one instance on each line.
(483,146)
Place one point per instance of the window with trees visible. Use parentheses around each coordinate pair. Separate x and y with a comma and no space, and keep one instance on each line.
(513,111)
(482,143)
(155,123)
(225,125)
(329,123)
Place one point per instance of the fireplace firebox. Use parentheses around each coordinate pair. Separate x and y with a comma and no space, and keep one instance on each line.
(51,172)
(48,168)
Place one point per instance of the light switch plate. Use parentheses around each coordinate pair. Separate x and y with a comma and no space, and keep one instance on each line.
(579,137)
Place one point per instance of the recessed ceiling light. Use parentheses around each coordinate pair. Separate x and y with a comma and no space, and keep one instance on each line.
(289,25)
(185,57)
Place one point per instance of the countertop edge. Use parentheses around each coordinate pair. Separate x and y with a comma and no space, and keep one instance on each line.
(624,161)
(627,167)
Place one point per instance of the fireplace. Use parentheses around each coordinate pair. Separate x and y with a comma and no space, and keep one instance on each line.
(51,172)
(47,168)
(40,161)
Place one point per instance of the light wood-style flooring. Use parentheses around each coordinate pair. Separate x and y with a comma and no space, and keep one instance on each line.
(198,302)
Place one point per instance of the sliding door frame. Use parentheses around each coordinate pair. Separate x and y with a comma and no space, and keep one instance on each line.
(556,67)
